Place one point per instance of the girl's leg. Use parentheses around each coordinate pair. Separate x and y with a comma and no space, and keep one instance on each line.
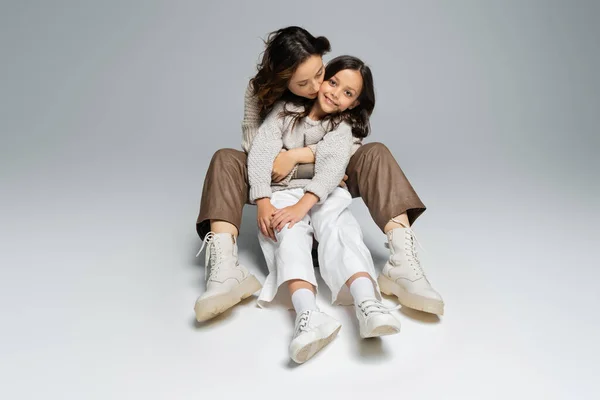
(374,175)
(223,198)
(303,295)
(288,259)
(290,269)
(347,266)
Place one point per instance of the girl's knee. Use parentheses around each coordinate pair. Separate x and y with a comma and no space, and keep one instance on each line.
(299,229)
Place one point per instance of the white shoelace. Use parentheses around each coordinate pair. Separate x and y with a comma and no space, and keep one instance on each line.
(371,306)
(214,266)
(303,322)
(412,249)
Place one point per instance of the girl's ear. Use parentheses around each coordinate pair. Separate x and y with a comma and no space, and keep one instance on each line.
(356,102)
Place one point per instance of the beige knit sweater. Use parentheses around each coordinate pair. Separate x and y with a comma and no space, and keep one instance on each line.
(333,152)
(252,122)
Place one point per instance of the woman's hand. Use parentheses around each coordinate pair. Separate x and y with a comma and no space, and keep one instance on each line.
(264,217)
(283,165)
(343,182)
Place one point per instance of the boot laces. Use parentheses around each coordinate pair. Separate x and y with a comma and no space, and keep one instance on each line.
(411,250)
(213,256)
(409,246)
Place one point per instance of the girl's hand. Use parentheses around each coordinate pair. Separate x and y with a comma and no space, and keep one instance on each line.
(291,215)
(283,165)
(264,217)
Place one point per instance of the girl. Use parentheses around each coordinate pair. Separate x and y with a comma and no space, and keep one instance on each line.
(292,67)
(308,207)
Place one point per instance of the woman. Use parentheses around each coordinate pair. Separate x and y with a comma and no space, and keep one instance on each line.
(292,65)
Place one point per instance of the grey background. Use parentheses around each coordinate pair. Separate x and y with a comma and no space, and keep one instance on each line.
(110,112)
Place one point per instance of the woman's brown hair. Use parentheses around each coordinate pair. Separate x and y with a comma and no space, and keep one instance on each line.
(285,50)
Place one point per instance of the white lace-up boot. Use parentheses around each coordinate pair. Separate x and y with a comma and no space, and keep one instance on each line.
(403,276)
(227,282)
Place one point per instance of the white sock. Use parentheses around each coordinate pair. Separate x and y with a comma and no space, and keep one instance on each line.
(303,300)
(362,289)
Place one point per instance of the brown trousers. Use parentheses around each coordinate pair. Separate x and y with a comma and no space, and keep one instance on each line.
(373,174)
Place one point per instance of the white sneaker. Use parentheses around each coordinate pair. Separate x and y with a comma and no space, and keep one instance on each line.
(227,282)
(403,276)
(313,331)
(375,319)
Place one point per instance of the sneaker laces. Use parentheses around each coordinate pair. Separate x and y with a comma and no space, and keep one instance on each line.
(216,251)
(303,322)
(374,306)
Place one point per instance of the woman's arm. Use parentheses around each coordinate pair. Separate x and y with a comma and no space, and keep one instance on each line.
(333,154)
(265,146)
(251,121)
(286,161)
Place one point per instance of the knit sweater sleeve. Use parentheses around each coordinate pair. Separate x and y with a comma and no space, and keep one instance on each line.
(251,121)
(264,148)
(332,157)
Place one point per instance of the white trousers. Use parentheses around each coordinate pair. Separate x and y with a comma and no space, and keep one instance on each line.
(342,252)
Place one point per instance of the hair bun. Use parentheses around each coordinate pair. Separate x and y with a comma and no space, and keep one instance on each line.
(322,44)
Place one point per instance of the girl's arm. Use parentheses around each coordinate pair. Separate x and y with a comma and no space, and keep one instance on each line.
(332,158)
(303,155)
(333,154)
(295,213)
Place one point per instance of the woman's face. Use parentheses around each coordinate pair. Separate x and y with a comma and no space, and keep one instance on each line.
(308,77)
(341,91)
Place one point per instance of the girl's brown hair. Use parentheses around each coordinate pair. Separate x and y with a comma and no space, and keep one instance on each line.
(359,116)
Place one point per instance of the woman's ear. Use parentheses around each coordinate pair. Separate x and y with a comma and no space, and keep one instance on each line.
(354,104)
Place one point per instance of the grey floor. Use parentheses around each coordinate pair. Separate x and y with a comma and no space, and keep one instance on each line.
(110,112)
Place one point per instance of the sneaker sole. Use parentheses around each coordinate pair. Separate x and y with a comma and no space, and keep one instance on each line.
(310,349)
(210,307)
(410,300)
(382,330)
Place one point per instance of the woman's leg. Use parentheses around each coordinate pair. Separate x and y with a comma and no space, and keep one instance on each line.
(223,198)
(224,194)
(374,175)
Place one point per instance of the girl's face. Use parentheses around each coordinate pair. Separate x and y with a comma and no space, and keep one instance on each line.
(308,78)
(340,92)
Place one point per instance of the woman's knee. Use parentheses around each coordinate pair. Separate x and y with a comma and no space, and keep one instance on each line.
(375,150)
(228,156)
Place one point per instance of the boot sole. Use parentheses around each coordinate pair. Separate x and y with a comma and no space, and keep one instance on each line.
(410,300)
(310,349)
(210,307)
